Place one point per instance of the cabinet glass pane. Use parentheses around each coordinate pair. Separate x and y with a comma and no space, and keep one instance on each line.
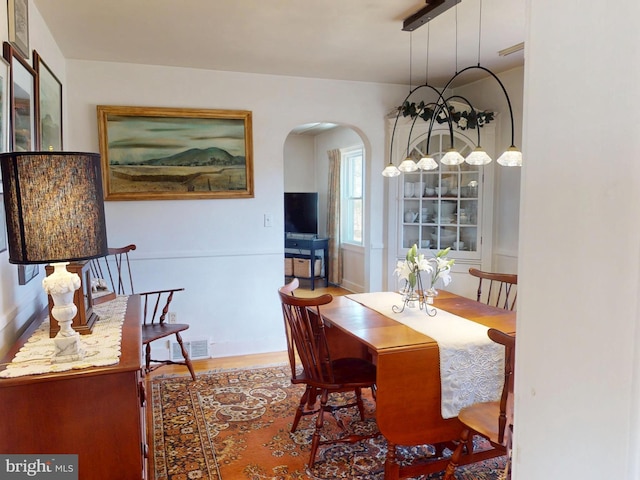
(440,207)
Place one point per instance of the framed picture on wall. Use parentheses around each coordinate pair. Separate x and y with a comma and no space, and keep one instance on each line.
(4,107)
(175,153)
(26,273)
(49,105)
(22,106)
(18,16)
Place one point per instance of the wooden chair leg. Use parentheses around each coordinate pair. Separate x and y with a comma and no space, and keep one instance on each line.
(455,457)
(185,355)
(301,406)
(359,402)
(147,357)
(315,442)
(439,448)
(313,398)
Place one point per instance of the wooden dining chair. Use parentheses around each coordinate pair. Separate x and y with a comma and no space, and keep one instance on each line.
(308,399)
(306,340)
(491,420)
(114,272)
(502,288)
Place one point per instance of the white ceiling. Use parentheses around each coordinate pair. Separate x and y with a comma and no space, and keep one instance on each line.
(359,40)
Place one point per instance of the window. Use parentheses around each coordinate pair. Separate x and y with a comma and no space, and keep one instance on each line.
(351,204)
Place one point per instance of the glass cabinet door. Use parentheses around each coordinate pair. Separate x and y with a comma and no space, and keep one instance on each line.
(441,208)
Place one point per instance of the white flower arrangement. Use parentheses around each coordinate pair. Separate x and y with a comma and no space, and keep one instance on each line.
(437,267)
(442,268)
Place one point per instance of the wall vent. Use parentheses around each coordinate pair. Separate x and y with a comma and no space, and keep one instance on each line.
(195,348)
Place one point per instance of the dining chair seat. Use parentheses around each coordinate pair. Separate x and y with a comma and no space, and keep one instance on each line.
(156,332)
(354,372)
(482,419)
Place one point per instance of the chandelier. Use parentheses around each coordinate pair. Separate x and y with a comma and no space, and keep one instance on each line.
(512,157)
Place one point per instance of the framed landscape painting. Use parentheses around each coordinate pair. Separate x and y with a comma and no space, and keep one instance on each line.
(153,153)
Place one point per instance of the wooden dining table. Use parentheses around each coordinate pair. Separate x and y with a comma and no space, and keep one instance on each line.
(408,396)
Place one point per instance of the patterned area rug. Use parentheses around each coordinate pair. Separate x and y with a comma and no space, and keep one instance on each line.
(235,424)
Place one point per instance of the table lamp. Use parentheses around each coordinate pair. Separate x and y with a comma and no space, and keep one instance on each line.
(55,214)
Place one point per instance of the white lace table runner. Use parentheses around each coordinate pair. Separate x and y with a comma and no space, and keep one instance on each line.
(102,346)
(471,364)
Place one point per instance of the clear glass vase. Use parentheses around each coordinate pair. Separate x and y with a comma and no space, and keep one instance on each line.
(430,295)
(411,297)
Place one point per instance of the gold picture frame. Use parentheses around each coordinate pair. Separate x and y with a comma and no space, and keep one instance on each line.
(156,153)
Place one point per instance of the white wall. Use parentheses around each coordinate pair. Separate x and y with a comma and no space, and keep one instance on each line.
(219,250)
(577,361)
(299,164)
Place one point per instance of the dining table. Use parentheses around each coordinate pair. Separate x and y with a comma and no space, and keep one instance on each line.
(409,387)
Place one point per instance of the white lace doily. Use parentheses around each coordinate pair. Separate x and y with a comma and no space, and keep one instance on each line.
(471,364)
(102,346)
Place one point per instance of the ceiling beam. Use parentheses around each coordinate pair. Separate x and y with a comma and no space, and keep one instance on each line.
(425,14)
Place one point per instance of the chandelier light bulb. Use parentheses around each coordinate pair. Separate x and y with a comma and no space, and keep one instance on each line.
(390,171)
(452,157)
(408,165)
(427,163)
(478,157)
(511,158)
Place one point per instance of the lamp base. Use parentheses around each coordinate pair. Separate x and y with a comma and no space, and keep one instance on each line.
(61,285)
(67,349)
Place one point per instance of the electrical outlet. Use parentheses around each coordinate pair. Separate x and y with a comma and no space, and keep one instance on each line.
(173,316)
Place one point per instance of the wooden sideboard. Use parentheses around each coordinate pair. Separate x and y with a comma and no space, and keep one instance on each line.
(97,413)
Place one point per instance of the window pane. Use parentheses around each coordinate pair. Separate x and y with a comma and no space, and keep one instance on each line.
(352,192)
(357,221)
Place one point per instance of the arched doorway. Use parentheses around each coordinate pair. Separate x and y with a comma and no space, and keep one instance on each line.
(306,169)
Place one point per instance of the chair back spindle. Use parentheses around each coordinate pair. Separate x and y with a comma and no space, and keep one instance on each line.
(304,323)
(115,270)
(502,290)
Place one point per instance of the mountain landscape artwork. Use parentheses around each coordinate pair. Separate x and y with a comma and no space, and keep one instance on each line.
(160,153)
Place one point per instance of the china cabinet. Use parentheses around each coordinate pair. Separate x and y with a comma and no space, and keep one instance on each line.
(447,207)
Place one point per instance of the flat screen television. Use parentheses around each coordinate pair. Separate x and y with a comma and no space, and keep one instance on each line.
(301,212)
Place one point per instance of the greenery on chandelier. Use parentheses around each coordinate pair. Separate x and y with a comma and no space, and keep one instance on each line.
(466,119)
